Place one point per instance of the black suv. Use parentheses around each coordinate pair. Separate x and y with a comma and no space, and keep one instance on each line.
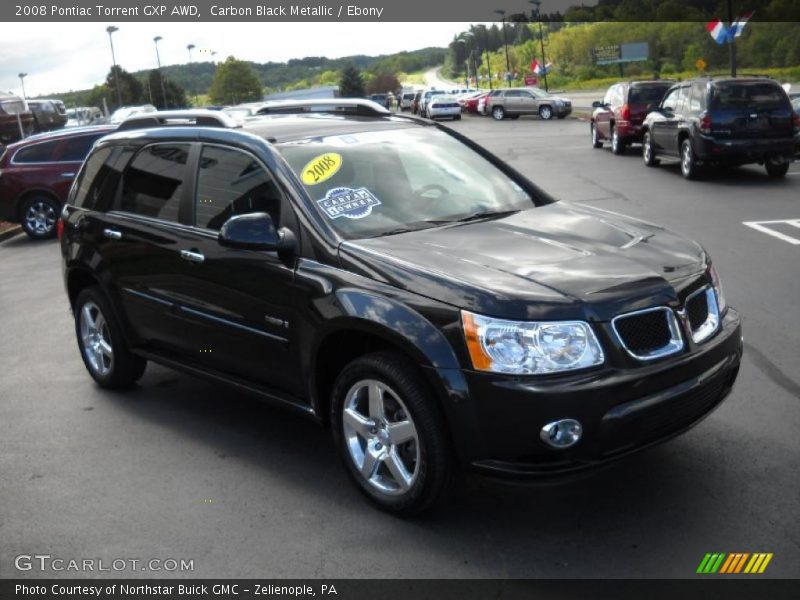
(395,281)
(723,121)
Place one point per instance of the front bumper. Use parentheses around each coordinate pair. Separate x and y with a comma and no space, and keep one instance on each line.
(712,149)
(621,410)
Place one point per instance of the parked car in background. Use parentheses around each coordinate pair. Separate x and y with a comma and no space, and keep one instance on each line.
(727,121)
(81,116)
(515,102)
(426,96)
(14,114)
(243,112)
(471,104)
(443,107)
(124,112)
(48,115)
(415,103)
(36,174)
(407,100)
(382,99)
(619,116)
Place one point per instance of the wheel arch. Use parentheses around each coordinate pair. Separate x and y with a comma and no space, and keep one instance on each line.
(31,193)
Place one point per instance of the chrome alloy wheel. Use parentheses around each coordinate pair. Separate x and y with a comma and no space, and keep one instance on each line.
(381,437)
(96,340)
(40,218)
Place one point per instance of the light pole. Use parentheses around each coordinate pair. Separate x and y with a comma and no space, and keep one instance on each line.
(466,63)
(190,47)
(537,13)
(110,30)
(488,65)
(502,14)
(157,39)
(22,77)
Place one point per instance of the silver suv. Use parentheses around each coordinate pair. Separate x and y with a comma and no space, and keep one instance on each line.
(514,102)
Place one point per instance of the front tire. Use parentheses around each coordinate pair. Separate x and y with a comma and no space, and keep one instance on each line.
(38,217)
(498,113)
(596,143)
(648,152)
(101,343)
(390,433)
(776,169)
(545,113)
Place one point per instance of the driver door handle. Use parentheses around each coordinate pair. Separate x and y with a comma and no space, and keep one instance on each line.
(191,256)
(112,234)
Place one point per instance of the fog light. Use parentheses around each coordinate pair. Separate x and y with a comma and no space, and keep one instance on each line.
(561,434)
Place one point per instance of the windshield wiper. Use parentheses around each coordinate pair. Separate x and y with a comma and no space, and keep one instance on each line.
(486,214)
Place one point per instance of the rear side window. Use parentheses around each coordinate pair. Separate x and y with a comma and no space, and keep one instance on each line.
(153,183)
(647,94)
(76,149)
(100,177)
(748,95)
(231,183)
(37,153)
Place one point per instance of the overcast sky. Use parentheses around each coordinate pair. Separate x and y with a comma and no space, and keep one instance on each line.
(73,56)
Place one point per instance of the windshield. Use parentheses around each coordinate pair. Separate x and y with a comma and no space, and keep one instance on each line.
(382,182)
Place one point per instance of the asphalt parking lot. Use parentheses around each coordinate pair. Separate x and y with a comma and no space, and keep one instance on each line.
(179,468)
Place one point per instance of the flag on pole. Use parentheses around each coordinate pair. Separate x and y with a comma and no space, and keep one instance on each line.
(718,31)
(738,25)
(538,69)
(535,66)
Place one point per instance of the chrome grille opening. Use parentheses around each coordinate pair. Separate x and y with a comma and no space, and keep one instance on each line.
(649,334)
(703,313)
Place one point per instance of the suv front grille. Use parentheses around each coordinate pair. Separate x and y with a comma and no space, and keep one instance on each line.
(649,334)
(703,313)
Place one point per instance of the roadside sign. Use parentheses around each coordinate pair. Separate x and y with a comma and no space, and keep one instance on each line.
(700,64)
(531,80)
(620,53)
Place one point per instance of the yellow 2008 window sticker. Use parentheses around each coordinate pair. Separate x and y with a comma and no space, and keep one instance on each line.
(321,168)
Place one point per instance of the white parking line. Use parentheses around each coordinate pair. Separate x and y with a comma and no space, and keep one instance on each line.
(762,227)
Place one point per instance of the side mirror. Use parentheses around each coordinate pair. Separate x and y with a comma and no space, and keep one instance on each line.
(255,231)
(598,104)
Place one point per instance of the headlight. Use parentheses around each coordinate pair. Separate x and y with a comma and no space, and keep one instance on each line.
(529,347)
(712,272)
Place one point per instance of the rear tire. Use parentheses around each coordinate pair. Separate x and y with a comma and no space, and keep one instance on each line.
(391,434)
(38,216)
(648,152)
(617,143)
(101,343)
(498,113)
(689,167)
(776,169)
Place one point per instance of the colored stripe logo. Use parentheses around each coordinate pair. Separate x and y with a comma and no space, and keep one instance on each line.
(736,562)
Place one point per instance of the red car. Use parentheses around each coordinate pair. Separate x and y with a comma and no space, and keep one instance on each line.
(36,174)
(619,116)
(471,104)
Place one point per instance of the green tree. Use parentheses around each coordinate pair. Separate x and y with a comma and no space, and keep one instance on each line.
(351,83)
(235,81)
(383,82)
(130,88)
(176,95)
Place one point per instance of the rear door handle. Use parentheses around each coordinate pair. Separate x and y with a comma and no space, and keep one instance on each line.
(194,257)
(112,234)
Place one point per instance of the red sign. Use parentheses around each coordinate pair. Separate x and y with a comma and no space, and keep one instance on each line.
(531,80)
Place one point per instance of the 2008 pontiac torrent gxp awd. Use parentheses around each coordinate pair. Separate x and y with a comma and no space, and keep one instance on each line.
(401,285)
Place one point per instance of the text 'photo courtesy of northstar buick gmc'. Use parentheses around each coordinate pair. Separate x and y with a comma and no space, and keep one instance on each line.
(396,282)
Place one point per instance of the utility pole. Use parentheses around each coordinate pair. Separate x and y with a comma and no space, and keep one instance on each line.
(538,11)
(731,44)
(190,47)
(157,39)
(502,14)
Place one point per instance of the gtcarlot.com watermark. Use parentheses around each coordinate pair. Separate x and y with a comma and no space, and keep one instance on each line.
(46,562)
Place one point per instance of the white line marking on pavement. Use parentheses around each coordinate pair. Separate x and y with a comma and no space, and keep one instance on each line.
(762,227)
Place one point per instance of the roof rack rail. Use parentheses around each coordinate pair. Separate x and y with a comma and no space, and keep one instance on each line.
(351,106)
(173,118)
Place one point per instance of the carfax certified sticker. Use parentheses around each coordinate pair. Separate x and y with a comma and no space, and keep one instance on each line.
(348,202)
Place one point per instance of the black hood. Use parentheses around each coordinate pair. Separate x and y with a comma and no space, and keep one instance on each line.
(556,261)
